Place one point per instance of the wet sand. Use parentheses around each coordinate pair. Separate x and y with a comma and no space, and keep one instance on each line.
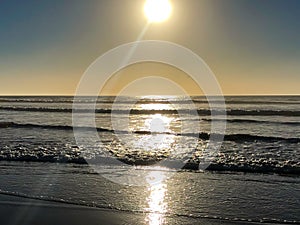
(21,211)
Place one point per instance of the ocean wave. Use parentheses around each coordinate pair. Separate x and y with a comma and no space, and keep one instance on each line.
(226,160)
(129,100)
(55,127)
(168,163)
(248,168)
(203,136)
(201,112)
(292,123)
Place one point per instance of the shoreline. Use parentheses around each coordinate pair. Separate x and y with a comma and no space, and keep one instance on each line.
(16,210)
(189,166)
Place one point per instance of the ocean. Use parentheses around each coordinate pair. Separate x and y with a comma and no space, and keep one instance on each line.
(253,177)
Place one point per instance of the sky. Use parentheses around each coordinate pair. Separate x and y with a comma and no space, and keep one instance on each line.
(252,46)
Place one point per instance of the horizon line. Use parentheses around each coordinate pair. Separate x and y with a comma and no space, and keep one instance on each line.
(69,95)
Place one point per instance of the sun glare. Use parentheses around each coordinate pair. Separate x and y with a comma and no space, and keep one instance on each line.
(157,10)
(158,123)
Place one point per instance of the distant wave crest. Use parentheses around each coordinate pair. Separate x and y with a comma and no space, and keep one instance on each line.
(201,112)
(204,136)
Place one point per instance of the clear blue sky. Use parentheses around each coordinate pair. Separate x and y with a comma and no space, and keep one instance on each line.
(253,46)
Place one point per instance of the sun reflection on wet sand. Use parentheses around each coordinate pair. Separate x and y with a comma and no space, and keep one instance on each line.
(157,206)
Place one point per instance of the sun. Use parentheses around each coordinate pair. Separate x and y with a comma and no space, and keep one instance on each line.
(157,10)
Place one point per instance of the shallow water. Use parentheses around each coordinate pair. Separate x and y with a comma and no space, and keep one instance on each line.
(225,196)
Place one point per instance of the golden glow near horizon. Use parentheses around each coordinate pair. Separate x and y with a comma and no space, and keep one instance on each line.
(142,84)
(157,11)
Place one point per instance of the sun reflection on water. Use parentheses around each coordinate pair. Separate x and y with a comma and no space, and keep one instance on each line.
(158,141)
(158,123)
(156,199)
(156,106)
